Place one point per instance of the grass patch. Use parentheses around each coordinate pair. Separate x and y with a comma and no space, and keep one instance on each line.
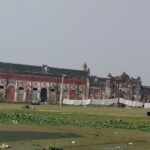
(31,117)
(74,127)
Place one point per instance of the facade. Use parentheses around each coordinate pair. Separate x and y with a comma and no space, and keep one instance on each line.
(122,86)
(25,82)
(145,95)
(97,87)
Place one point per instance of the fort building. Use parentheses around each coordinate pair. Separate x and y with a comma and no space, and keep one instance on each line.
(23,83)
(122,86)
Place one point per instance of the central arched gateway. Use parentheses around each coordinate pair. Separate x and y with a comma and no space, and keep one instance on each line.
(43,95)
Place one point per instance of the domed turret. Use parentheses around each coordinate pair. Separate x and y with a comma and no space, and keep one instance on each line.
(109,75)
(85,67)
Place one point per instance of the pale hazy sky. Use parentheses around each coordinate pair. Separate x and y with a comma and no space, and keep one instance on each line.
(110,35)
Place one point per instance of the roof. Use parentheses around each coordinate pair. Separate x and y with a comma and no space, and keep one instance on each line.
(124,76)
(146,87)
(40,70)
(94,80)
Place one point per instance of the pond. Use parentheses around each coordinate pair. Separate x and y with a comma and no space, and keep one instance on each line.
(31,140)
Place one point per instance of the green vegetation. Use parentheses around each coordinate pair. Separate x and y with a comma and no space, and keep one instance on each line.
(56,120)
(74,127)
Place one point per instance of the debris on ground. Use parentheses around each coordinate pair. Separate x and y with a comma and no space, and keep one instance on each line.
(117,148)
(73,142)
(4,146)
(130,143)
(14,121)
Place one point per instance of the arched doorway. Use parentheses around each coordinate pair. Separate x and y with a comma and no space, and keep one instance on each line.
(52,95)
(10,93)
(34,94)
(2,93)
(43,95)
(20,94)
(65,93)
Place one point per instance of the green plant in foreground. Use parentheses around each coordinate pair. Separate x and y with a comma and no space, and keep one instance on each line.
(42,119)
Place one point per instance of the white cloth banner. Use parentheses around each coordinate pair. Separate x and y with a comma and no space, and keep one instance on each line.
(130,103)
(86,102)
(106,102)
(89,101)
(76,102)
(147,105)
(72,102)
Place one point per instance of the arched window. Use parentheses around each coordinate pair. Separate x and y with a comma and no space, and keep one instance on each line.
(20,94)
(1,87)
(20,88)
(10,93)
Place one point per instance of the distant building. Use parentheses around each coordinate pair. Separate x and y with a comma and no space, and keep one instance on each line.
(25,82)
(121,86)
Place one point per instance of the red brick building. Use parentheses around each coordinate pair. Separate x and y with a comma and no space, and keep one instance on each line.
(25,82)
